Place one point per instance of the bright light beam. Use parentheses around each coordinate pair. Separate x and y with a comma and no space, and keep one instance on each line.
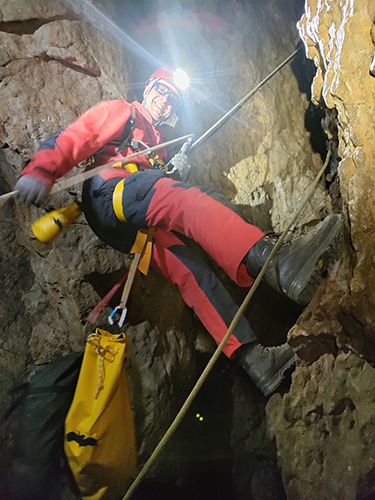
(202,97)
(100,21)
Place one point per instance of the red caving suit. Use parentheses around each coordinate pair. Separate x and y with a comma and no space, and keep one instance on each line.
(176,211)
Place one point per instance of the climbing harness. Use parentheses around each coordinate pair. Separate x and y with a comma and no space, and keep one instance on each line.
(120,143)
(50,225)
(127,131)
(141,250)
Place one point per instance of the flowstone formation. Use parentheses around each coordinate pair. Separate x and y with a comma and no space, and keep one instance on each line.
(324,426)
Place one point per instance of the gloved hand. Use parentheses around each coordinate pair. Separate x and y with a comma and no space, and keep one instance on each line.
(181,166)
(31,190)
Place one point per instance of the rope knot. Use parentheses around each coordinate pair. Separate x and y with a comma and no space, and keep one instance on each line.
(102,352)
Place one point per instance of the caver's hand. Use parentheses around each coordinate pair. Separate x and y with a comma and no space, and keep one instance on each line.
(31,190)
(180,166)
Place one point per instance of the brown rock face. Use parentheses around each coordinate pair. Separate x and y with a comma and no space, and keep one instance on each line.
(338,38)
(54,66)
(323,427)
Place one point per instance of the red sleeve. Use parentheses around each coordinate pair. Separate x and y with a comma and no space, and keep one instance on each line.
(79,140)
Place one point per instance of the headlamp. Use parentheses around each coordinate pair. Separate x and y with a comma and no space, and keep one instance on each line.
(181,79)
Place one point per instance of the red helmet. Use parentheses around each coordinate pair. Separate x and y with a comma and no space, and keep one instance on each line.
(164,72)
(167,75)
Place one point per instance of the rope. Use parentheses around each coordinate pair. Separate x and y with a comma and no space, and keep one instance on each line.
(172,428)
(240,103)
(101,351)
(71,181)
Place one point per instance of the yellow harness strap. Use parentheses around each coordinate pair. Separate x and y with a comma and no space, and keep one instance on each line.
(142,249)
(117,200)
(143,246)
(143,241)
(119,188)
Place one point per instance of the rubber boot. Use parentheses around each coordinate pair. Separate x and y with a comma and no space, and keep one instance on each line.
(265,366)
(298,267)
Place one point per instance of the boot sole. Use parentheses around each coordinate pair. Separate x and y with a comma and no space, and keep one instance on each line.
(278,377)
(310,276)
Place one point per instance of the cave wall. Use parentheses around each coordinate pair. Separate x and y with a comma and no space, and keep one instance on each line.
(53,67)
(324,427)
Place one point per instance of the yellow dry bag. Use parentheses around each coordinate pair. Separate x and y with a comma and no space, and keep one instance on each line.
(100,440)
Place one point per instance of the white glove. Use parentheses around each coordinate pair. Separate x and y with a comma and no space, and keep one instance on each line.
(180,166)
(31,190)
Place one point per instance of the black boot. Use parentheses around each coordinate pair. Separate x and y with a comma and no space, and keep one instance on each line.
(265,365)
(298,267)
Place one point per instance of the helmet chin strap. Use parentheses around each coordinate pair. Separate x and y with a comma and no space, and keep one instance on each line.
(171,121)
(147,89)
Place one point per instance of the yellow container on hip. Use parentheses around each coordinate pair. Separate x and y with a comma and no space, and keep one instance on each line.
(49,226)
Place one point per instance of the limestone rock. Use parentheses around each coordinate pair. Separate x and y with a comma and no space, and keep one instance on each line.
(52,77)
(324,429)
(264,160)
(338,37)
(23,10)
(323,426)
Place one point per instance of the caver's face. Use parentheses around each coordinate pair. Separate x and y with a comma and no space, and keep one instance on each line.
(161,101)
